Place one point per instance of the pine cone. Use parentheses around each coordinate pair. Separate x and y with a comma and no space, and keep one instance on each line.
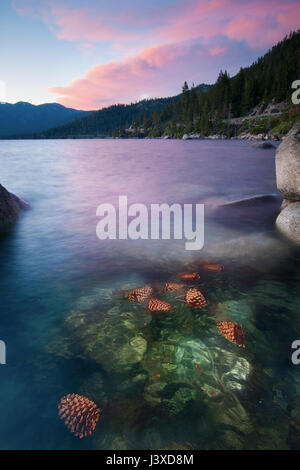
(79,413)
(172,286)
(232,332)
(213,267)
(194,298)
(156,305)
(189,276)
(140,295)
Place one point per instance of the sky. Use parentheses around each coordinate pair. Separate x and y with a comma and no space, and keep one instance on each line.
(89,54)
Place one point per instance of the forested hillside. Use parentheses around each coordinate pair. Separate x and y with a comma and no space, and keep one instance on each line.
(106,120)
(266,80)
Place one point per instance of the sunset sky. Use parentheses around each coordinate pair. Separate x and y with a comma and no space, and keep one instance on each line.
(93,53)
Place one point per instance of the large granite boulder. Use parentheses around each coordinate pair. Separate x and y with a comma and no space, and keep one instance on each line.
(10,206)
(288,222)
(288,165)
(288,184)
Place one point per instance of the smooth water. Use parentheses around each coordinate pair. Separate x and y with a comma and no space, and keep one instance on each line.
(68,326)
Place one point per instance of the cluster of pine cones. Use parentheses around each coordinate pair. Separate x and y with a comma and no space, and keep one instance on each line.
(193,297)
(81,414)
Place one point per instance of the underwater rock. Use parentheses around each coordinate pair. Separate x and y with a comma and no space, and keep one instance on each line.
(235,378)
(218,370)
(180,399)
(260,251)
(133,382)
(98,297)
(113,342)
(153,391)
(133,351)
(233,415)
(250,215)
(263,145)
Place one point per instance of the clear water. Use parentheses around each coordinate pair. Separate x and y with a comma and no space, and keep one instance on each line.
(69,328)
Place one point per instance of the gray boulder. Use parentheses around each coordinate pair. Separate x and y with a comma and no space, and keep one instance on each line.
(288,165)
(288,222)
(10,206)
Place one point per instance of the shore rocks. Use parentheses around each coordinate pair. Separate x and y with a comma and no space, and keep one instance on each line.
(10,206)
(192,136)
(257,137)
(288,184)
(288,165)
(288,222)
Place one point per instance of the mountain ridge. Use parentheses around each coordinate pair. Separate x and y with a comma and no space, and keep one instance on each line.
(27,118)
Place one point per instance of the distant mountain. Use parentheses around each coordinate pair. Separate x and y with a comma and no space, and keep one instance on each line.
(26,118)
(106,120)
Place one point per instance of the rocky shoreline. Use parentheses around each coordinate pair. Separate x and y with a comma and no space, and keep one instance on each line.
(288,184)
(243,136)
(10,207)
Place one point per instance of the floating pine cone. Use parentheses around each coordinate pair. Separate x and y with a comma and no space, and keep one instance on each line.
(140,295)
(172,286)
(213,267)
(194,298)
(79,413)
(189,276)
(232,332)
(156,305)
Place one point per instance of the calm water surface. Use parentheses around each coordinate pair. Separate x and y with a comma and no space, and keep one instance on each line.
(68,326)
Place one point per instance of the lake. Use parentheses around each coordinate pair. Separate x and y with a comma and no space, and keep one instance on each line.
(161,381)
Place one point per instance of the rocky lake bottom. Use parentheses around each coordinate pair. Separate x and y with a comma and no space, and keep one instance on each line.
(161,380)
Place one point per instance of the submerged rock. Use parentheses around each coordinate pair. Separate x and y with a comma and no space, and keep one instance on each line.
(114,342)
(183,363)
(261,250)
(263,145)
(252,214)
(10,206)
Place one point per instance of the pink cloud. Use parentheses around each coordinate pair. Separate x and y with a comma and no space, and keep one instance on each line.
(81,24)
(155,71)
(181,40)
(217,50)
(259,23)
